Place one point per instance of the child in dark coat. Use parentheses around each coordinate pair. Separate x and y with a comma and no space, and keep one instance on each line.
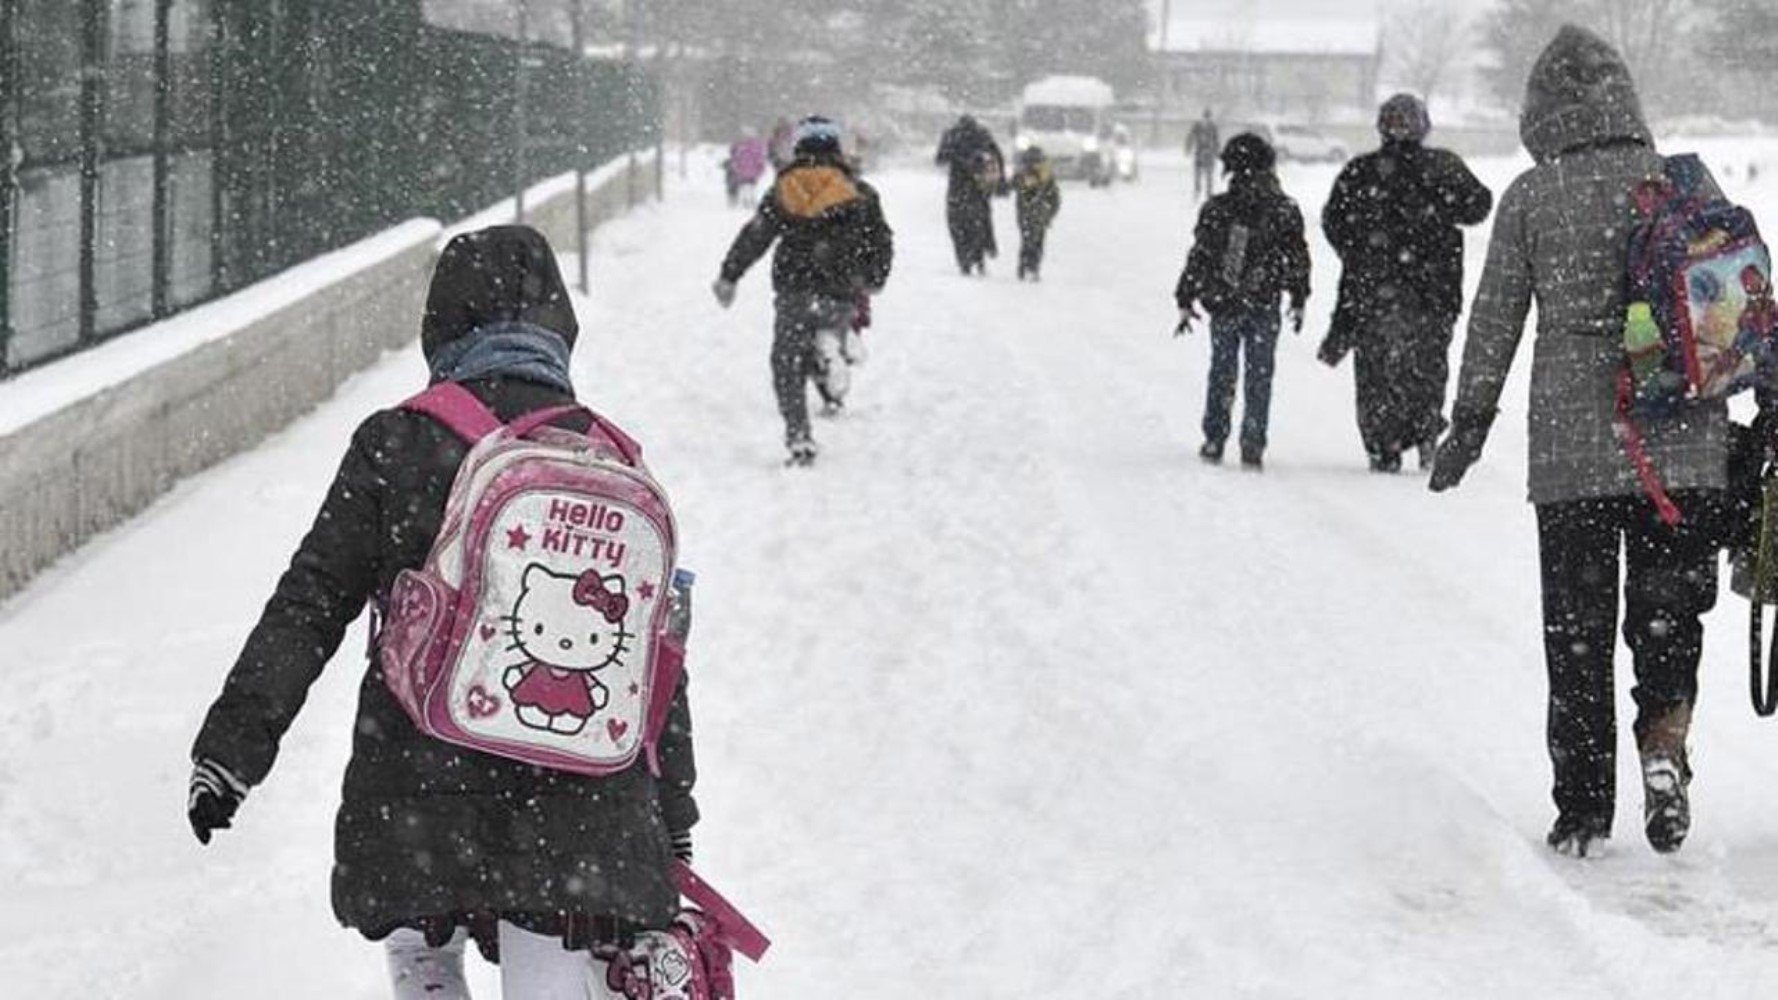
(1247,252)
(1037,200)
(435,843)
(833,246)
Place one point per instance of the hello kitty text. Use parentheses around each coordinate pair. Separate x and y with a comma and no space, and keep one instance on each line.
(578,529)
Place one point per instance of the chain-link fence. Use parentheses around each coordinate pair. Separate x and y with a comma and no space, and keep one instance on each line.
(164,152)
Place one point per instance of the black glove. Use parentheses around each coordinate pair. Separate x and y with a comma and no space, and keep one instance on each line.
(1459,450)
(215,795)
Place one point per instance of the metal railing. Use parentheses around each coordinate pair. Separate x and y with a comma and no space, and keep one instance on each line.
(159,153)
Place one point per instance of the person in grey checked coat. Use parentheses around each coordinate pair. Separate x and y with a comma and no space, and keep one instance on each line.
(1561,238)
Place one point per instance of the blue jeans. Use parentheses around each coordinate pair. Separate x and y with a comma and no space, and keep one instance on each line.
(1255,334)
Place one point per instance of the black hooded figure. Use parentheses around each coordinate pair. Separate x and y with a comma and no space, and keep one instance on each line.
(978,172)
(1393,218)
(1247,253)
(432,838)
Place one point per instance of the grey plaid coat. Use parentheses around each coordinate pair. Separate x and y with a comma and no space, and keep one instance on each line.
(1561,239)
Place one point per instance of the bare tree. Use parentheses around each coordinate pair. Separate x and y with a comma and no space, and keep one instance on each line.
(1423,43)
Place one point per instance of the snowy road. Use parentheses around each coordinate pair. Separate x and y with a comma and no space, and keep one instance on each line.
(1010,697)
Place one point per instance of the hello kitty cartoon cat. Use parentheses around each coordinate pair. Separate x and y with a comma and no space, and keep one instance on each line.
(568,628)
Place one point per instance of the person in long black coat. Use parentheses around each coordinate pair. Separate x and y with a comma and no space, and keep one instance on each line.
(1393,218)
(432,838)
(978,172)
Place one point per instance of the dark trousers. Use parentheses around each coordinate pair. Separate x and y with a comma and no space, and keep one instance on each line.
(1031,233)
(1670,580)
(970,217)
(1402,366)
(1203,178)
(1252,333)
(801,319)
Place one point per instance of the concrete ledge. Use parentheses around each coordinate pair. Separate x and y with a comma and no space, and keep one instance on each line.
(87,442)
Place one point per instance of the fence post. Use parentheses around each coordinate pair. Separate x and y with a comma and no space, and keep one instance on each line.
(8,166)
(582,83)
(518,119)
(91,107)
(161,266)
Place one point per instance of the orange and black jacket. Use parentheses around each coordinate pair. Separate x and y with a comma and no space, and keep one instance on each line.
(831,235)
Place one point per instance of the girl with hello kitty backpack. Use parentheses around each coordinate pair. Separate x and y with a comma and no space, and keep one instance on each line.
(522,766)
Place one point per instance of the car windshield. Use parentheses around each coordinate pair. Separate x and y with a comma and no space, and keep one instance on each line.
(1054,118)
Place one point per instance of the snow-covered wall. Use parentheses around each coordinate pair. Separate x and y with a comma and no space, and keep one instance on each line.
(90,440)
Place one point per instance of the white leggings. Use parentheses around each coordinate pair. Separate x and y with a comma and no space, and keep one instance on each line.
(532,967)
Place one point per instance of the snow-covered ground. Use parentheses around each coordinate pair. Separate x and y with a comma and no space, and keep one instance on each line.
(1011,696)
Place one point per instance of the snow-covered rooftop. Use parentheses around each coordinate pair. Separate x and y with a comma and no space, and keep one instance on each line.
(1259,35)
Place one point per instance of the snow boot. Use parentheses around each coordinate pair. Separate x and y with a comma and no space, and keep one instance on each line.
(1211,452)
(1251,460)
(802,452)
(1666,808)
(1387,462)
(1579,837)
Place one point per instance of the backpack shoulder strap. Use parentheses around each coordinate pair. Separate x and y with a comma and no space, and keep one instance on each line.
(457,408)
(626,446)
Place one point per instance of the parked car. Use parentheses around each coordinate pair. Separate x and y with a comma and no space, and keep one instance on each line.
(1305,145)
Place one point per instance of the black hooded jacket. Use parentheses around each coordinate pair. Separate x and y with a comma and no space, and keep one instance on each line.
(1393,218)
(429,834)
(1273,260)
(831,235)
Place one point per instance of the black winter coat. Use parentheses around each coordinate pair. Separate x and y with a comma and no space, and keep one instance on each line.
(1273,262)
(977,167)
(829,226)
(428,834)
(1393,218)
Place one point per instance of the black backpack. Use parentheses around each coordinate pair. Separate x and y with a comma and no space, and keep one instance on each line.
(1243,260)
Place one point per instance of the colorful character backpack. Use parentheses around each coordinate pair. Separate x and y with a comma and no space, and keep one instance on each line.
(538,627)
(1700,317)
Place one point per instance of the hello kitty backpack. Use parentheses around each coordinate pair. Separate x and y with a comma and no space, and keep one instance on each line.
(537,628)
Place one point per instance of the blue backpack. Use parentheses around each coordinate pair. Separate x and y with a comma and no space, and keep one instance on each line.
(1699,318)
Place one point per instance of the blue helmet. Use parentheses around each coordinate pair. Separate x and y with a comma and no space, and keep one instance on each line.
(816,135)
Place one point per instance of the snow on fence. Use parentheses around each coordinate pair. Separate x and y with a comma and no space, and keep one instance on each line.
(88,441)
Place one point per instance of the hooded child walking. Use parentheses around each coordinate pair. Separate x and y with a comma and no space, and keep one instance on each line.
(1037,199)
(1247,254)
(435,843)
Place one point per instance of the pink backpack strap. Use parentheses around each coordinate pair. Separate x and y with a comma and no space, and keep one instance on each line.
(626,446)
(457,408)
(734,929)
(470,419)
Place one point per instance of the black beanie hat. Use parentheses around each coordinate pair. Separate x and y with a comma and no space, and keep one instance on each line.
(502,273)
(1248,154)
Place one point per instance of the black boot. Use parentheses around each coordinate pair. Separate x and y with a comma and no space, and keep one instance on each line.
(1579,836)
(1211,452)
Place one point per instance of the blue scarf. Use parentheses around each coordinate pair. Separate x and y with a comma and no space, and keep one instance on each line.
(509,349)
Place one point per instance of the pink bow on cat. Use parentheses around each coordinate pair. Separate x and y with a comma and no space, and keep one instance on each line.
(590,591)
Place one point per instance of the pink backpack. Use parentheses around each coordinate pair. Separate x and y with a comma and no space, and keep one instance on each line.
(537,628)
(692,959)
